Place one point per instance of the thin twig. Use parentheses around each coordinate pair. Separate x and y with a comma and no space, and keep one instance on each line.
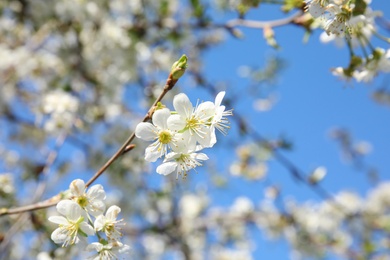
(262,24)
(22,219)
(170,83)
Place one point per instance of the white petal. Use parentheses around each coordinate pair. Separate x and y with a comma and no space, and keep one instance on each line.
(166,168)
(59,220)
(183,105)
(96,192)
(77,187)
(95,246)
(87,229)
(99,223)
(189,139)
(151,155)
(207,140)
(201,156)
(160,118)
(58,236)
(181,145)
(70,209)
(218,98)
(205,110)
(146,131)
(176,122)
(112,212)
(96,207)
(213,137)
(171,156)
(123,249)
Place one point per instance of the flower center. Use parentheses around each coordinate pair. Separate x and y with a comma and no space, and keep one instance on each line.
(165,137)
(192,122)
(110,228)
(82,201)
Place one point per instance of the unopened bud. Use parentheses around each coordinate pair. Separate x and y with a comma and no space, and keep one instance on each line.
(159,106)
(269,36)
(378,53)
(317,175)
(179,67)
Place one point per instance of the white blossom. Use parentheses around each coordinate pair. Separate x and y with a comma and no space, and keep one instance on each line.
(160,132)
(70,226)
(219,120)
(59,102)
(191,206)
(335,20)
(90,200)
(6,183)
(181,163)
(315,8)
(109,251)
(61,108)
(109,224)
(193,121)
(379,61)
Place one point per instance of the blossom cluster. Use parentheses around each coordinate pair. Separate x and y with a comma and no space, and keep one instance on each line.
(355,21)
(180,135)
(61,108)
(335,226)
(365,70)
(83,216)
(334,14)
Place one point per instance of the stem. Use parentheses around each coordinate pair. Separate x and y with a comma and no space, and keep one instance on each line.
(170,83)
(262,24)
(349,44)
(380,36)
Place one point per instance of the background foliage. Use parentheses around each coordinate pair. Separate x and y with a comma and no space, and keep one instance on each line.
(77,76)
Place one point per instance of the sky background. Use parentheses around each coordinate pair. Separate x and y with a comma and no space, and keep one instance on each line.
(310,103)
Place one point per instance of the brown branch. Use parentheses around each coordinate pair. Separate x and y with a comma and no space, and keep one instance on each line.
(262,24)
(170,83)
(126,146)
(39,205)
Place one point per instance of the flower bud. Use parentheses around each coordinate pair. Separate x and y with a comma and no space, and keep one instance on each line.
(179,67)
(317,175)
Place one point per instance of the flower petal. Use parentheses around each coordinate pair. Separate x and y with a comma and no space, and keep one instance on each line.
(65,206)
(96,207)
(205,110)
(59,236)
(160,118)
(182,105)
(77,187)
(95,246)
(207,140)
(99,223)
(112,212)
(176,122)
(151,155)
(218,98)
(201,156)
(87,229)
(70,209)
(166,168)
(59,220)
(96,192)
(146,131)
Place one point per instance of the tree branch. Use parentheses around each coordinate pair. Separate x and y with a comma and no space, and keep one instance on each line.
(262,24)
(170,83)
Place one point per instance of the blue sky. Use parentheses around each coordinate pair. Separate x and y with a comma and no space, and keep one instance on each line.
(311,103)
